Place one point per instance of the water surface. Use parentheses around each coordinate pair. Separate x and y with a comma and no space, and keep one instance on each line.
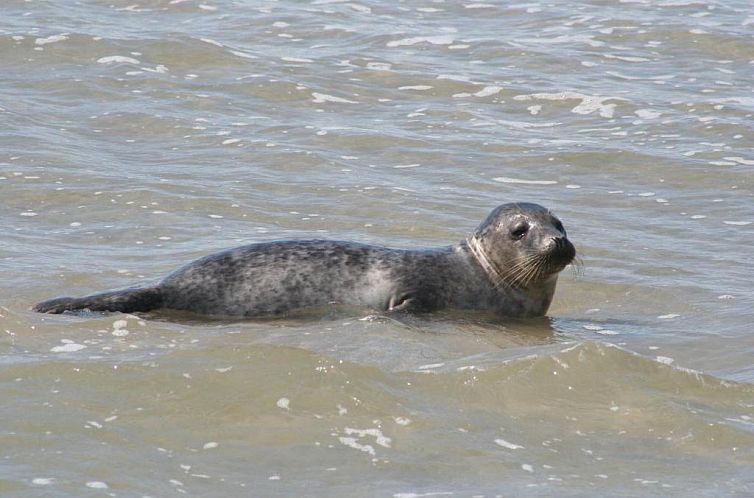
(139,135)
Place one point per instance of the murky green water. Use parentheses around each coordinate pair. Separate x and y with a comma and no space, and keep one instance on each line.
(138,135)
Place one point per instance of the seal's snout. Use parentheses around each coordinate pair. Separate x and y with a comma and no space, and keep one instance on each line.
(562,252)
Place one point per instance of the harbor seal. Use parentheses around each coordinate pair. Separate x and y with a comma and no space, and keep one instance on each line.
(509,265)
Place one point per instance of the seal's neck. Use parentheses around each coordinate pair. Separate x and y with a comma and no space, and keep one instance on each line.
(532,300)
(477,251)
(540,296)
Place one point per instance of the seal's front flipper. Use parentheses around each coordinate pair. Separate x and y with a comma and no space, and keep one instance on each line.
(400,302)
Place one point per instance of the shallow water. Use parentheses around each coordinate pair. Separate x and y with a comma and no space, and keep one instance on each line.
(138,135)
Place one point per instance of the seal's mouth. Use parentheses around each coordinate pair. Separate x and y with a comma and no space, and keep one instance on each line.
(541,265)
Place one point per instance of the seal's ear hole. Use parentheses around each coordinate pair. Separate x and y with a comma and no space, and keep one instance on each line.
(520,230)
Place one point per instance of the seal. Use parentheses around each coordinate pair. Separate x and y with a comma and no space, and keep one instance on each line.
(509,265)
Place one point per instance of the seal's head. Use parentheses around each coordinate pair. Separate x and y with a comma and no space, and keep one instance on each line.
(521,244)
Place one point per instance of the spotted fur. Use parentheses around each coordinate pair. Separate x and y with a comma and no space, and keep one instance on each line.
(511,277)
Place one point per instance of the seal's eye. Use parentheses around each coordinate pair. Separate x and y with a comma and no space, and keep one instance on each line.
(559,226)
(520,230)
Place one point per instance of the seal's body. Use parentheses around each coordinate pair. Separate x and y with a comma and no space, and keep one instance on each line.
(509,266)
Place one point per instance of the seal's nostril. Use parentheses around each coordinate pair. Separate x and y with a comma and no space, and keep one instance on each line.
(563,250)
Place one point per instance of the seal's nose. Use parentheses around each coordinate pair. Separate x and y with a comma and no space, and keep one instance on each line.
(563,252)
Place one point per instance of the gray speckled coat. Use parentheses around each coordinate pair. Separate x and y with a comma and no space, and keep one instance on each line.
(271,278)
(275,277)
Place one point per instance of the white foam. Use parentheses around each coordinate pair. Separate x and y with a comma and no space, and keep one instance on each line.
(488,90)
(210,445)
(647,113)
(626,58)
(212,42)
(454,77)
(295,59)
(737,223)
(523,125)
(588,105)
(43,481)
(430,366)
(737,100)
(69,347)
(377,434)
(434,40)
(96,485)
(606,332)
(320,98)
(243,54)
(51,39)
(506,444)
(284,403)
(722,163)
(117,59)
(505,179)
(352,443)
(415,87)
(740,160)
(360,8)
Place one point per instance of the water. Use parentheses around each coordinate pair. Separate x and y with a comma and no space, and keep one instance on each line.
(138,135)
